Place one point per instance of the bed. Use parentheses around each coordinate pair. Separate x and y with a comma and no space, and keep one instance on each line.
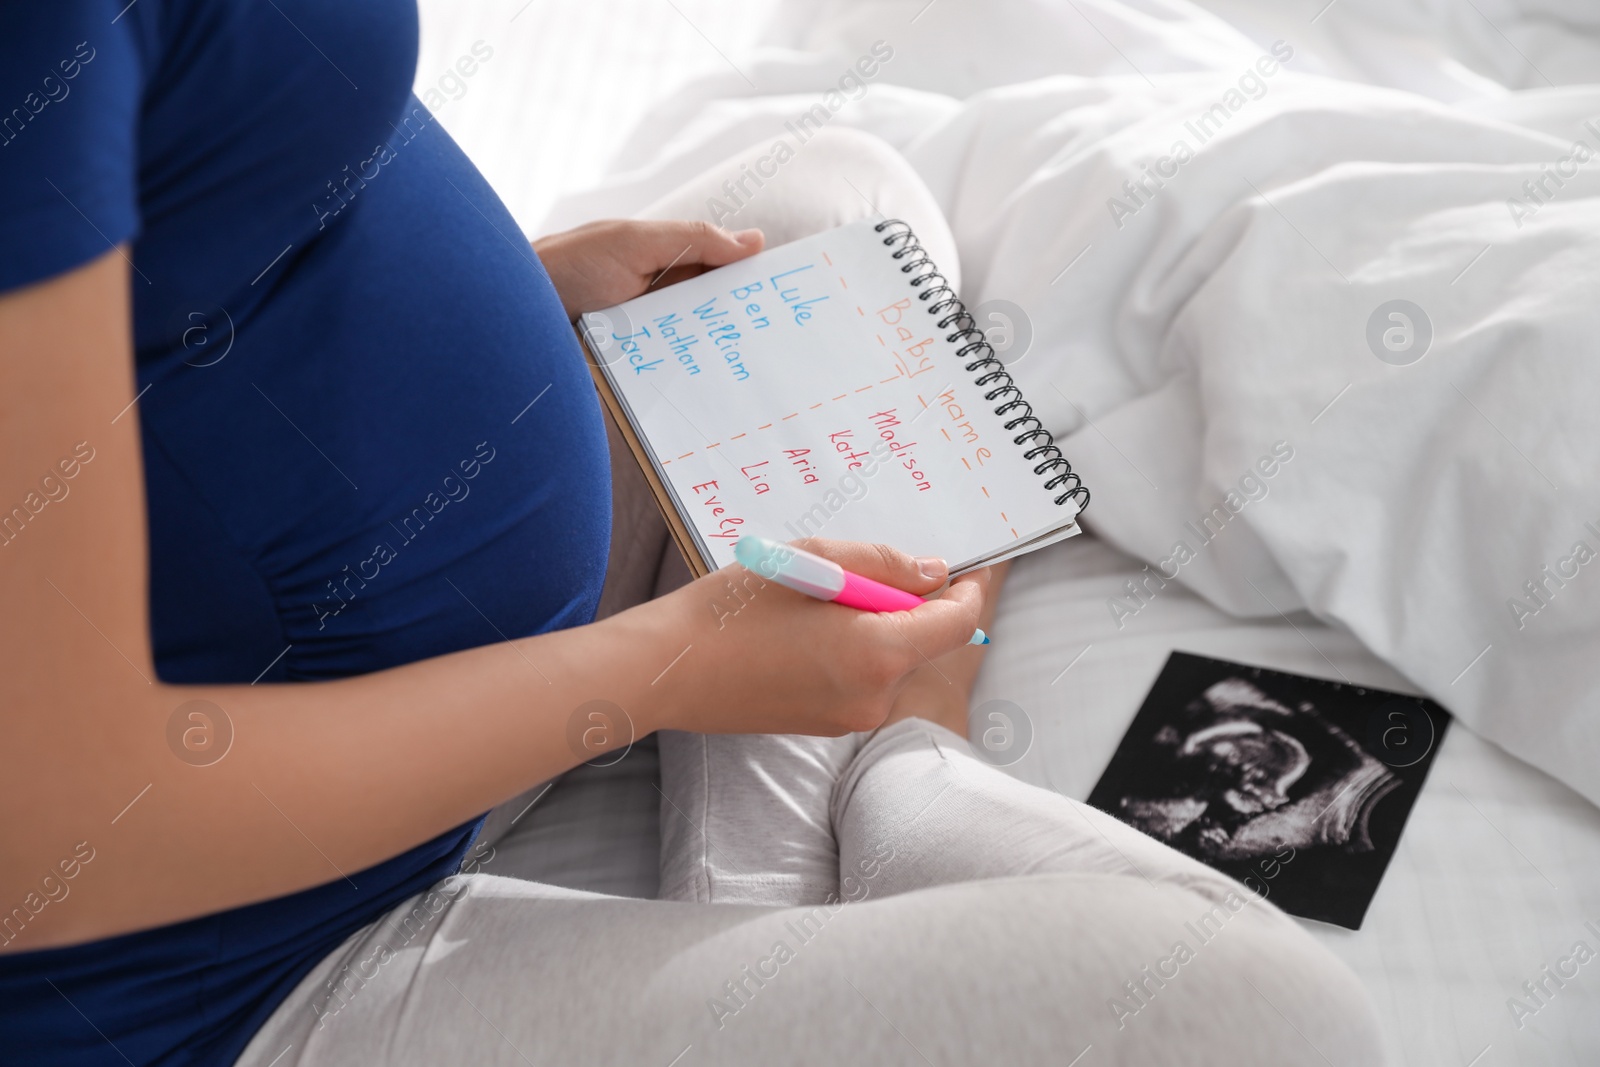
(1384,158)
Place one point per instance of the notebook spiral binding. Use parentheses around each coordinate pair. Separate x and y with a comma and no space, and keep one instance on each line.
(1042,446)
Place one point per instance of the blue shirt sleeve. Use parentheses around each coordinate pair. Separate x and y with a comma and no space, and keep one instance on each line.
(70,87)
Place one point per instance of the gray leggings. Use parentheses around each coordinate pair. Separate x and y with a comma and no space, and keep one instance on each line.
(882,899)
(965,918)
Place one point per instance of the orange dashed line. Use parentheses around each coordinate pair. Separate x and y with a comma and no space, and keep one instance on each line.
(985,489)
(1014,532)
(793,415)
(686,455)
(825,257)
(1003,517)
(768,426)
(717,444)
(665,462)
(817,405)
(860,312)
(882,342)
(841,396)
(886,381)
(736,436)
(843,282)
(864,388)
(945,432)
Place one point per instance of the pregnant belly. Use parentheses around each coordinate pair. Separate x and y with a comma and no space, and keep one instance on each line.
(401,455)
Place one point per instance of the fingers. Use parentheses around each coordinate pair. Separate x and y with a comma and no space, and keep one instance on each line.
(882,563)
(678,245)
(928,631)
(719,246)
(945,624)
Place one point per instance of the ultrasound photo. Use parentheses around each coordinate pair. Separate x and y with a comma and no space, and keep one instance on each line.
(1297,786)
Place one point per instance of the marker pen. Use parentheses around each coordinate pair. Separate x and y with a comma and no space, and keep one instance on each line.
(824,579)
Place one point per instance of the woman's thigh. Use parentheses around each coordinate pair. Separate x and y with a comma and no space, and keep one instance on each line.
(1020,970)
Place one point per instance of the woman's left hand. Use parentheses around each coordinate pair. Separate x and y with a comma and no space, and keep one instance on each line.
(604,263)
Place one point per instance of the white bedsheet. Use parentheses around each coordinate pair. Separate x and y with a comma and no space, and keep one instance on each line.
(1496,873)
(1223,315)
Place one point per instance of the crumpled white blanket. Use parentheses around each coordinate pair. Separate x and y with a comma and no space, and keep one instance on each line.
(1316,345)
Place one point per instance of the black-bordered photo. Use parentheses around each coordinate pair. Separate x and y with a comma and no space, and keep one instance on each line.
(1299,787)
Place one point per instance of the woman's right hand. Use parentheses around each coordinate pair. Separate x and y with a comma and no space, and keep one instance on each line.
(759,658)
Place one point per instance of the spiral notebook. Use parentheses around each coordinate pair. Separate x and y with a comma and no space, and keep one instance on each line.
(831,387)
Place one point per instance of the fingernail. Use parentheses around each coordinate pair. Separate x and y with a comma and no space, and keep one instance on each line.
(747,237)
(932,568)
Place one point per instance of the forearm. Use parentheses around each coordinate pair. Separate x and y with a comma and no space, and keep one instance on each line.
(321,780)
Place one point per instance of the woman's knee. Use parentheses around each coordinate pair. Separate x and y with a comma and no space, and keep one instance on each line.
(885,182)
(793,189)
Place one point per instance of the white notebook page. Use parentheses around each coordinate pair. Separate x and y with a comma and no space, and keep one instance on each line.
(762,388)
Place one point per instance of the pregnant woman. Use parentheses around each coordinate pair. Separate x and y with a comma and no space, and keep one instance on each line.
(310,558)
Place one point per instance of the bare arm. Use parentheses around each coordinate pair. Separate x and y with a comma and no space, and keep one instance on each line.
(323,779)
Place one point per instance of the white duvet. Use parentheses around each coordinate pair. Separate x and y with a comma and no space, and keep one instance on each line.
(1314,345)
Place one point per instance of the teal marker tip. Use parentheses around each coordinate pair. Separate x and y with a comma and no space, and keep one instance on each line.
(979,638)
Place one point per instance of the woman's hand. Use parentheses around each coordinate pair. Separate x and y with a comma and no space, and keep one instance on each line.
(760,658)
(601,264)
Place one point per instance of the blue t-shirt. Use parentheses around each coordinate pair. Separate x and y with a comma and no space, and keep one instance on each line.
(368,432)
